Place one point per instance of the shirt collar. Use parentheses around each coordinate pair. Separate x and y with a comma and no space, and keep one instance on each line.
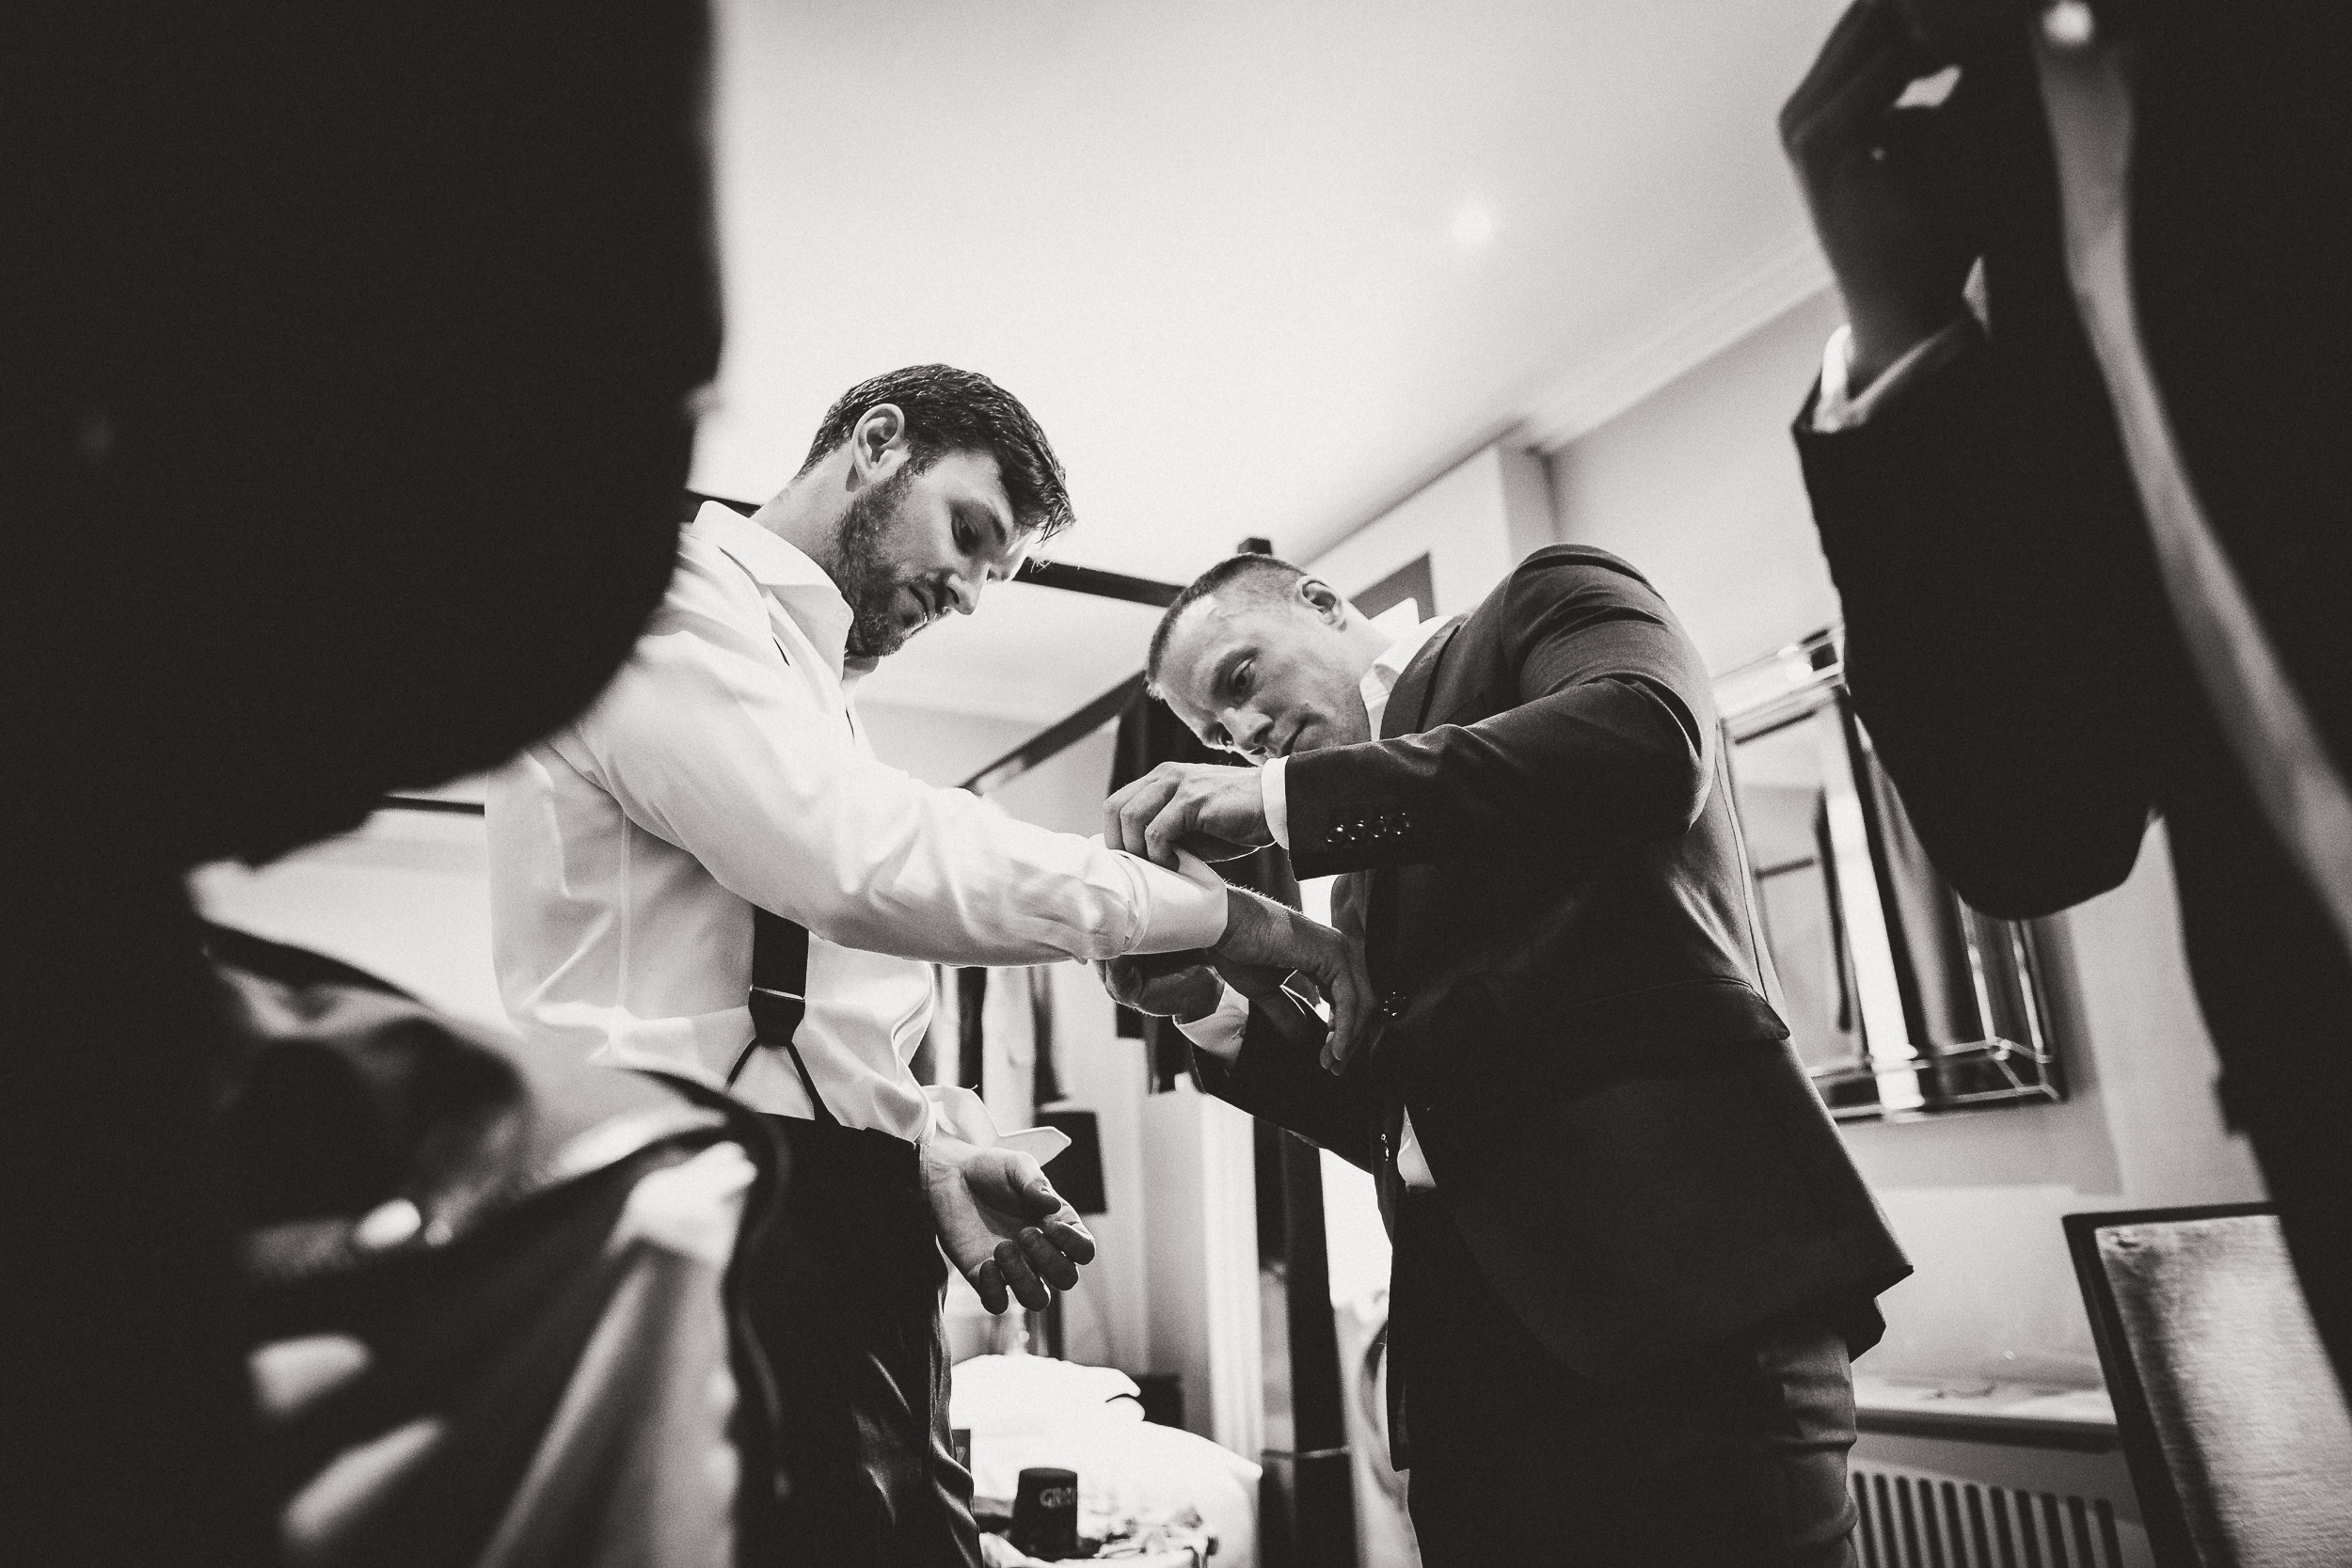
(785,572)
(1409,634)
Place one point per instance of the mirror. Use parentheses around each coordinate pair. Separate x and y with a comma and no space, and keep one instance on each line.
(1901,999)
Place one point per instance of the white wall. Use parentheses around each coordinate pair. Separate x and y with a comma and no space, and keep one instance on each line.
(406,897)
(1474,522)
(1698,487)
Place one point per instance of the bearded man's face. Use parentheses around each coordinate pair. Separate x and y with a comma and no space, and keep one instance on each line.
(920,543)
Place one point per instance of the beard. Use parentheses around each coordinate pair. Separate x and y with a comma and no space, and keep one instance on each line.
(864,573)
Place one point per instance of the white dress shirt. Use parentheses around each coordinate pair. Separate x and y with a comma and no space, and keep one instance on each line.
(725,767)
(1219,1033)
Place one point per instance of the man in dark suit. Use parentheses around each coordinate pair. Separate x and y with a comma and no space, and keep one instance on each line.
(2088,512)
(1632,1259)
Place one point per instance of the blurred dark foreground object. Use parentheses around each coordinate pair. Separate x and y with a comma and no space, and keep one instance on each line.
(2093,564)
(489,1301)
(345,360)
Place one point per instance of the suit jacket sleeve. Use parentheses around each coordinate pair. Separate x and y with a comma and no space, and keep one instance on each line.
(1600,743)
(2005,637)
(1276,1077)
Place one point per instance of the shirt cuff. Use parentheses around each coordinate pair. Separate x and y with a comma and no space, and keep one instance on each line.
(1182,910)
(1838,409)
(1274,779)
(1220,1033)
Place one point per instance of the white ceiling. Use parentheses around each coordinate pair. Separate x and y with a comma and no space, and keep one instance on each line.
(1259,267)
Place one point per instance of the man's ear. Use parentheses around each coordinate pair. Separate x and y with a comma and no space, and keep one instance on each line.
(878,444)
(1324,600)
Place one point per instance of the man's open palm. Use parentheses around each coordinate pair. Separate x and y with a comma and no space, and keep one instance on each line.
(1001,1224)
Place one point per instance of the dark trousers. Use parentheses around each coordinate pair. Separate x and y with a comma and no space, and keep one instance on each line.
(844,1294)
(1732,1457)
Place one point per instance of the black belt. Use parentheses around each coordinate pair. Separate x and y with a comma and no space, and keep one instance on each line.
(778,999)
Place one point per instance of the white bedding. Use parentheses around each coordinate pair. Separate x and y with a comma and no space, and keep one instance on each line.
(1027,1410)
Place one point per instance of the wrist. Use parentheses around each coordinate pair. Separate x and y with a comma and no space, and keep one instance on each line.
(1875,346)
(941,1152)
(1246,922)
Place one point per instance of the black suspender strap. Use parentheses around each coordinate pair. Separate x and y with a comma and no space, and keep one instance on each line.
(778,998)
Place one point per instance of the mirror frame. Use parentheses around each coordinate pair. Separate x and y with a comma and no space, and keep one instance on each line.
(1893,932)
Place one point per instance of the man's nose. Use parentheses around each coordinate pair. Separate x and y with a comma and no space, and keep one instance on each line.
(963,594)
(1247,727)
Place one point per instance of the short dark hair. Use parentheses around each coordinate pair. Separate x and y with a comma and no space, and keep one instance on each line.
(951,410)
(1265,575)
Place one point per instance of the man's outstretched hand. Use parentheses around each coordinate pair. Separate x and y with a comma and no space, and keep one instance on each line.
(1264,945)
(1262,939)
(1001,1224)
(1213,811)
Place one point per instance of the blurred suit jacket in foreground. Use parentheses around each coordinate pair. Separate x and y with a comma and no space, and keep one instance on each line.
(487,1287)
(2027,672)
(346,399)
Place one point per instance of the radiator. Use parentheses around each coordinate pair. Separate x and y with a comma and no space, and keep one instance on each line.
(1930,1502)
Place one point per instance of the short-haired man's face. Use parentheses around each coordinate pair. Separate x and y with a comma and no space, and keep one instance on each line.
(918,545)
(1266,677)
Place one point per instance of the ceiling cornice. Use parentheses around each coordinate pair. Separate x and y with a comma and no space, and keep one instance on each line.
(1620,374)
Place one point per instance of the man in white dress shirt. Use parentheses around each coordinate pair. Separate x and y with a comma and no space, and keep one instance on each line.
(711,871)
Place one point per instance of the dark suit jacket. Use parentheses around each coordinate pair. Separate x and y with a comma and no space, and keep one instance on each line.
(345,357)
(1556,912)
(2008,641)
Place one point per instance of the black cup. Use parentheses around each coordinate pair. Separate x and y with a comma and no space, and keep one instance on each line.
(1045,1513)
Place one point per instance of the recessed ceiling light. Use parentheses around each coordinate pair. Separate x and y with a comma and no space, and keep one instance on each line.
(1473,225)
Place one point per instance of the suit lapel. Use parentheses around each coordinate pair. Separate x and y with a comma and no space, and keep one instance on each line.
(1408,704)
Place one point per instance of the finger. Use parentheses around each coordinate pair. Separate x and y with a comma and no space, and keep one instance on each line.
(1050,1262)
(1333,1055)
(1339,1045)
(290,1375)
(988,1281)
(1144,801)
(1354,1013)
(1864,66)
(1171,827)
(1075,1241)
(1044,1203)
(1029,1291)
(1112,807)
